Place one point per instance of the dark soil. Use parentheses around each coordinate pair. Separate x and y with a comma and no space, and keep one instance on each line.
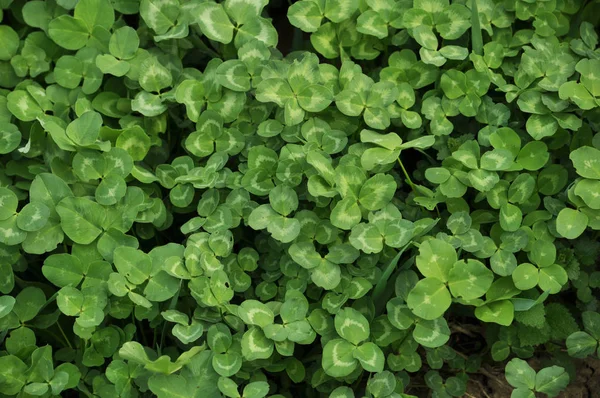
(492,384)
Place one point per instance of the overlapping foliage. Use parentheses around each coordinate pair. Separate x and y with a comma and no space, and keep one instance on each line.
(406,194)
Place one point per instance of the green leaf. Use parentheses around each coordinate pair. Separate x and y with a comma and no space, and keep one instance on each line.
(68,32)
(28,303)
(370,356)
(500,312)
(256,389)
(63,270)
(154,77)
(283,199)
(6,305)
(571,223)
(245,11)
(95,13)
(338,358)
(587,162)
(352,326)
(233,74)
(134,264)
(454,84)
(148,104)
(338,12)
(589,75)
(9,43)
(366,237)
(161,286)
(399,314)
(253,312)
(188,333)
(553,278)
(314,98)
(429,299)
(580,345)
(327,275)
(70,301)
(424,35)
(433,333)
(453,21)
(372,24)
(36,388)
(11,137)
(346,214)
(126,125)
(85,129)
(159,15)
(510,217)
(551,381)
(8,202)
(68,71)
(377,192)
(591,323)
(587,190)
(214,22)
(436,258)
(175,386)
(261,217)
(577,93)
(520,375)
(14,373)
(525,276)
(110,65)
(541,126)
(305,15)
(469,279)
(377,118)
(22,105)
(533,156)
(124,43)
(255,345)
(497,160)
(135,141)
(81,219)
(111,190)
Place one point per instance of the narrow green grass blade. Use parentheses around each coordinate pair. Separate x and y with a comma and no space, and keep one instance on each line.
(476,38)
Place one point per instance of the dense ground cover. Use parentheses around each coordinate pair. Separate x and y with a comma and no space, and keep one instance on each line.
(326,198)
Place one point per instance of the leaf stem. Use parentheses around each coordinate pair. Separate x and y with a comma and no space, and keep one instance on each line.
(172,306)
(412,185)
(426,154)
(204,47)
(47,331)
(64,335)
(312,358)
(144,339)
(463,330)
(51,299)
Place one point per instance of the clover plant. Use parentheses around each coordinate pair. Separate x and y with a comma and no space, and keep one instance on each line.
(313,198)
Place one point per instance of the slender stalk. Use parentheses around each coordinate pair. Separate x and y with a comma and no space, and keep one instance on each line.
(47,331)
(204,47)
(426,154)
(144,339)
(51,299)
(412,185)
(64,335)
(172,306)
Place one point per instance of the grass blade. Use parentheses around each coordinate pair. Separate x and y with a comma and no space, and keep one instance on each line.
(476,38)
